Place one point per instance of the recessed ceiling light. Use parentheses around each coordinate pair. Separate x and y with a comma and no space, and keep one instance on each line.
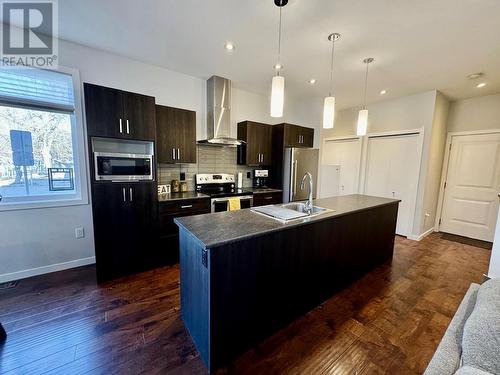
(482,84)
(312,81)
(474,75)
(383,92)
(229,46)
(278,67)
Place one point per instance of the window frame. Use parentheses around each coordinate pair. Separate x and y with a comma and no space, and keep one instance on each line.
(79,144)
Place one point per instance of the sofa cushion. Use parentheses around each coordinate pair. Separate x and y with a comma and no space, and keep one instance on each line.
(481,336)
(467,370)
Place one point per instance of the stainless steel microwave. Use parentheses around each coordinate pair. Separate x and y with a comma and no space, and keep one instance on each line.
(123,167)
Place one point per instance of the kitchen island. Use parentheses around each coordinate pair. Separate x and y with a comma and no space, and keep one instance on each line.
(244,275)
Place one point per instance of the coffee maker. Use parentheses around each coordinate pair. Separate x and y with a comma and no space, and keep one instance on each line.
(260,178)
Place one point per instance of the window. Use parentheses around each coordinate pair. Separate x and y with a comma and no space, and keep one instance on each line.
(40,144)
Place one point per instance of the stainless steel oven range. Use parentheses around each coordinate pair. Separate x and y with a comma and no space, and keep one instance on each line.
(220,187)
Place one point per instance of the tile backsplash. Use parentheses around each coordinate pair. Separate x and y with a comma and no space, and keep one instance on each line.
(211,159)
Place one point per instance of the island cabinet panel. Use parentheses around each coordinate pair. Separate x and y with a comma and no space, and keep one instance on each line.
(259,285)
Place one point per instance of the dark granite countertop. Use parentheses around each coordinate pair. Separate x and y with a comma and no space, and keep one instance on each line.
(262,190)
(224,227)
(180,196)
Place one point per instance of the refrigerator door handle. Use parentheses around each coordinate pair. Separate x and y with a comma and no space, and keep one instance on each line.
(294,178)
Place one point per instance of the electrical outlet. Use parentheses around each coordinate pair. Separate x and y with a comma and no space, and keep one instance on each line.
(249,174)
(183,176)
(79,232)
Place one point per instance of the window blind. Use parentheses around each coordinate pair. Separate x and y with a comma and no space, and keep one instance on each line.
(37,88)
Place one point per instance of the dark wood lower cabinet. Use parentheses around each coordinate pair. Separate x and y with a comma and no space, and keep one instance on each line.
(263,199)
(168,243)
(125,227)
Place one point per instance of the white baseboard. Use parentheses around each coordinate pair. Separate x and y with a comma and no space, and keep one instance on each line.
(421,236)
(45,269)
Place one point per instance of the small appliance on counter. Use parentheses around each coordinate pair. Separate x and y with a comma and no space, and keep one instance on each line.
(260,178)
(184,186)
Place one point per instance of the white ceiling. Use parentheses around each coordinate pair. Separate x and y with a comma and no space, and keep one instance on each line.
(417,45)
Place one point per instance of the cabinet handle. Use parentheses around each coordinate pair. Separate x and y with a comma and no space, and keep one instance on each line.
(187,206)
(173,154)
(131,195)
(178,154)
(121,127)
(268,198)
(262,158)
(128,127)
(124,196)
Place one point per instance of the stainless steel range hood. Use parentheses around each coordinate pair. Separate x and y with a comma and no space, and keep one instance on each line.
(219,113)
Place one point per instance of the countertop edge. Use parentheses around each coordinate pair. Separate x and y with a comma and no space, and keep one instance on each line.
(299,223)
(168,200)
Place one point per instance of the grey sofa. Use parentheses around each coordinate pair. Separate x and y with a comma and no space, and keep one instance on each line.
(471,344)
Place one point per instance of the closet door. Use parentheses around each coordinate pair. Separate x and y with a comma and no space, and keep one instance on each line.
(340,166)
(392,171)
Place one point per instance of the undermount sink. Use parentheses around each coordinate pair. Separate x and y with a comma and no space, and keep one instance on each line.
(290,211)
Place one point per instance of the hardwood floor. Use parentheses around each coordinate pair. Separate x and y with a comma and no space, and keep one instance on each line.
(390,321)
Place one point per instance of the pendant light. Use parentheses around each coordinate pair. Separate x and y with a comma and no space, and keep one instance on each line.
(278,82)
(329,104)
(363,113)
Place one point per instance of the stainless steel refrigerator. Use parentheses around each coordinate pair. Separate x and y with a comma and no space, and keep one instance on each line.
(298,161)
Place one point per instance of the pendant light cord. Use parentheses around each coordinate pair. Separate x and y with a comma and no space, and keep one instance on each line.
(279,44)
(366,85)
(331,69)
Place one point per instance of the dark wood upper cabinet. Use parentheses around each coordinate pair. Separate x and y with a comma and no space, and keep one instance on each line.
(298,136)
(119,114)
(176,135)
(125,227)
(104,111)
(140,119)
(258,143)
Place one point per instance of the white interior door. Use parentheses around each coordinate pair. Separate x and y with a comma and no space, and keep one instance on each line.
(470,203)
(340,166)
(392,171)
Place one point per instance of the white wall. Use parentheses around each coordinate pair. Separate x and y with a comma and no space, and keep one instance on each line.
(435,163)
(409,112)
(479,113)
(42,240)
